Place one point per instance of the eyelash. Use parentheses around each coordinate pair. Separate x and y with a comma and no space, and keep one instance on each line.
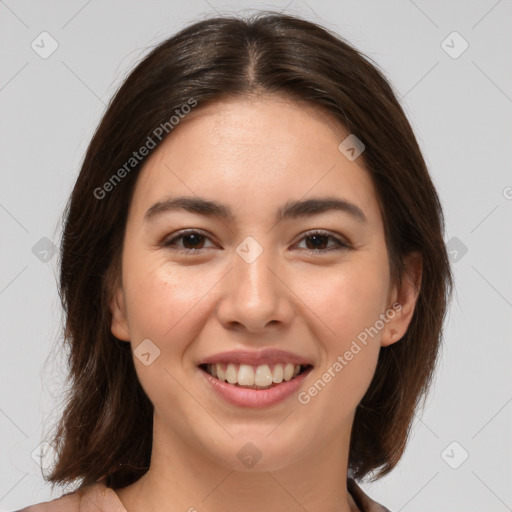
(340,245)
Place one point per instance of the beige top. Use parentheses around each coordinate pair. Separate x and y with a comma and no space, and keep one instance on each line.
(100,498)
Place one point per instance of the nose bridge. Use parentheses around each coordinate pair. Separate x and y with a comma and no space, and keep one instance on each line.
(255,294)
(252,265)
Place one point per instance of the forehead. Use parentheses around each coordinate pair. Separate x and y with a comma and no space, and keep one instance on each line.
(255,152)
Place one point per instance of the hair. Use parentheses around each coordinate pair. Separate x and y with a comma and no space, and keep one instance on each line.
(106,427)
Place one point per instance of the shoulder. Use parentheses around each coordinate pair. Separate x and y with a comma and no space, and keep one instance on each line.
(67,503)
(96,497)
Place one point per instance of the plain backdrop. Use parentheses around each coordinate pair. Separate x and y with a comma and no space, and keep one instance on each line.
(450,63)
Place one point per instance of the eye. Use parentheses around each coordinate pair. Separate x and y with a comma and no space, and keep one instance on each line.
(195,241)
(320,238)
(193,238)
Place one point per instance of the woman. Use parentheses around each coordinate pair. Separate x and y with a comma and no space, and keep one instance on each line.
(254,278)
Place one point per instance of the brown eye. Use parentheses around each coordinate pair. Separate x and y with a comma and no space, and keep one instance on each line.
(318,241)
(192,241)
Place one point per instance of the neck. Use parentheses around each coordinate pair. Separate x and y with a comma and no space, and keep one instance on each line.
(189,478)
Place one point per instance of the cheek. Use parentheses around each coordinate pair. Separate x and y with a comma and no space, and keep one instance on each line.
(349,298)
(348,302)
(163,300)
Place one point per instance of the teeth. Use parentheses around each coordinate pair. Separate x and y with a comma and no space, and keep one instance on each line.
(231,374)
(221,374)
(263,375)
(288,371)
(245,375)
(256,376)
(277,374)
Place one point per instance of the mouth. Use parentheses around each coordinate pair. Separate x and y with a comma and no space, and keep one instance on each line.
(259,377)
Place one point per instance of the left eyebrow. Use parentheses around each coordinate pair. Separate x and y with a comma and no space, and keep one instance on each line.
(290,210)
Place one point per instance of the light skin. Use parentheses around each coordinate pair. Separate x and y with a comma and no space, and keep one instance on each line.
(254,155)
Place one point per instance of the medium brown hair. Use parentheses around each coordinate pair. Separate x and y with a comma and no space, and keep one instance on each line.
(106,427)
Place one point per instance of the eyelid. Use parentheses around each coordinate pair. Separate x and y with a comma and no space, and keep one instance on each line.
(341,242)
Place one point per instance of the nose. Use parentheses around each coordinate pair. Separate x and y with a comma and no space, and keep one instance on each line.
(255,295)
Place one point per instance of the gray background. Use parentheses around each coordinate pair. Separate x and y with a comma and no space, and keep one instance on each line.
(460,109)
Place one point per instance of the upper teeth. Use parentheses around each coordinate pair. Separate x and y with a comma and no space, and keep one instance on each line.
(247,375)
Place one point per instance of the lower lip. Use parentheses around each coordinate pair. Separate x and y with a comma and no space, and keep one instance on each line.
(244,397)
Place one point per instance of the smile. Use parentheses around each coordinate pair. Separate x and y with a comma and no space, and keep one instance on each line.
(264,376)
(252,395)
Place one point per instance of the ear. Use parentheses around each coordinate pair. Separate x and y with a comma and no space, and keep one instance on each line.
(402,300)
(119,325)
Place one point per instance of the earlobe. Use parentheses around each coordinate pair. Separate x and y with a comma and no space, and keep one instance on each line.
(404,300)
(119,325)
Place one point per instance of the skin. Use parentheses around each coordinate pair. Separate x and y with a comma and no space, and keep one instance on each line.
(254,155)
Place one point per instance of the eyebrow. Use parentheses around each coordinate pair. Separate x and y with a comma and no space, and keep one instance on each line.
(290,210)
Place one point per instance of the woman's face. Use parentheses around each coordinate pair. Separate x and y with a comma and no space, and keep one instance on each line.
(253,281)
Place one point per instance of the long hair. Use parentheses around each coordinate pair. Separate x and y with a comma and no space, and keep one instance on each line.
(106,427)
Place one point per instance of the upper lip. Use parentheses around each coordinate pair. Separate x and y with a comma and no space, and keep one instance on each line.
(256,358)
